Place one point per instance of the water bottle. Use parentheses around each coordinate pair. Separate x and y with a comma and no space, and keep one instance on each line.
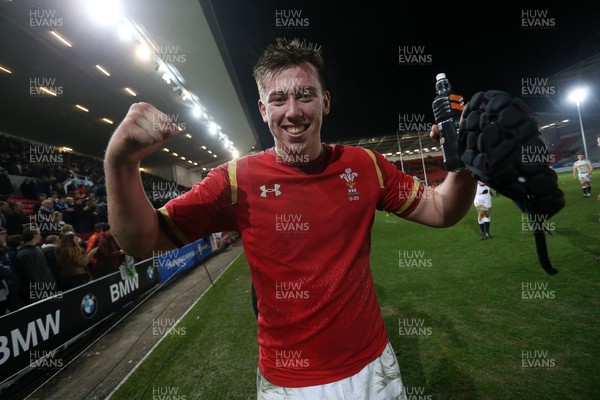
(447,109)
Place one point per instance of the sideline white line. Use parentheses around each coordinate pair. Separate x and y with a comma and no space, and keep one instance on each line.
(165,335)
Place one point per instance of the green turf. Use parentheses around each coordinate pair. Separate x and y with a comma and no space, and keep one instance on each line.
(467,294)
(216,357)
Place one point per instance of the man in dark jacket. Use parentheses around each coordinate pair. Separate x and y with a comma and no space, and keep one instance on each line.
(8,256)
(16,219)
(38,282)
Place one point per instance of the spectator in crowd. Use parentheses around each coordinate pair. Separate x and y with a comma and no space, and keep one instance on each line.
(100,189)
(44,217)
(9,282)
(4,289)
(37,280)
(60,189)
(61,204)
(57,223)
(40,199)
(49,250)
(15,168)
(27,189)
(43,185)
(4,157)
(8,253)
(72,262)
(109,256)
(102,210)
(89,216)
(54,197)
(6,187)
(4,209)
(16,219)
(78,214)
(69,214)
(92,243)
(66,228)
(13,242)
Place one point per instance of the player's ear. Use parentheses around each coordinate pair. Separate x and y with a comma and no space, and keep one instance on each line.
(263,110)
(326,102)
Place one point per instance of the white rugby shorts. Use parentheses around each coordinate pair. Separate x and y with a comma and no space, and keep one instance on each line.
(378,380)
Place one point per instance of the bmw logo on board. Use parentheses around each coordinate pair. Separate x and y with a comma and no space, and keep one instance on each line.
(89,306)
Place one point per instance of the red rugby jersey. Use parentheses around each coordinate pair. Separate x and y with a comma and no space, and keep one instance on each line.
(306,231)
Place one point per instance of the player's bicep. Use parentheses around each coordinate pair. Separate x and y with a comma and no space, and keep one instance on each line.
(425,212)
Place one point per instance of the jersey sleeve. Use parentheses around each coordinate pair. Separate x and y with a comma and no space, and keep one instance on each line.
(208,207)
(400,193)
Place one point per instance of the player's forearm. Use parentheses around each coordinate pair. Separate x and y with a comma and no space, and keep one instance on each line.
(454,197)
(133,221)
(448,203)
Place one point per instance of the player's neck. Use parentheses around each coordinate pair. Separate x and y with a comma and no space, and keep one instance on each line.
(299,155)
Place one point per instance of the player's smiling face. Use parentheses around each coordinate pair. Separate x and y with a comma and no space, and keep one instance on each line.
(293,105)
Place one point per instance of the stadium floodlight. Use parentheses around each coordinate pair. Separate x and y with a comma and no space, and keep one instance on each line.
(126,31)
(197,111)
(144,53)
(106,12)
(578,95)
(213,128)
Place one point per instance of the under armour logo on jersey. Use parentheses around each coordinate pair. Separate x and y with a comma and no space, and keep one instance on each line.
(275,190)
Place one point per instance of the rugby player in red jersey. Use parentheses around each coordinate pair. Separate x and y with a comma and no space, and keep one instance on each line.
(304,210)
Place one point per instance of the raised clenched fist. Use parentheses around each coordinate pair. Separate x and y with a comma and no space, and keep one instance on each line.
(141,133)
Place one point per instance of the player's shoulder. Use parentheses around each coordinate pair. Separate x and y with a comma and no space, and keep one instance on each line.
(250,159)
(353,151)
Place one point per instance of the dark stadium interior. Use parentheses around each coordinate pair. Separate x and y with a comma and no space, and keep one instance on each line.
(56,97)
